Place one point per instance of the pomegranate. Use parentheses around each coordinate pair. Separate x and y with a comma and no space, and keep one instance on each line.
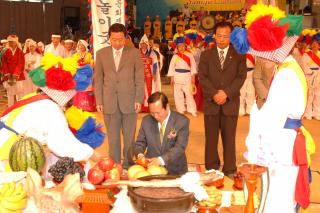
(95,176)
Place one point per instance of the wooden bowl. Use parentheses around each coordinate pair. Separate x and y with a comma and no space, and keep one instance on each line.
(180,204)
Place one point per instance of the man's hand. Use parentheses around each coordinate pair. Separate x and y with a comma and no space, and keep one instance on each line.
(99,108)
(220,98)
(137,107)
(154,162)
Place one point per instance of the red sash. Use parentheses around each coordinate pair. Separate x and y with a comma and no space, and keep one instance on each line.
(185,58)
(314,57)
(25,102)
(250,58)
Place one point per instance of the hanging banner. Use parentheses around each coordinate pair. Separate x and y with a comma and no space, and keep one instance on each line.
(216,5)
(105,13)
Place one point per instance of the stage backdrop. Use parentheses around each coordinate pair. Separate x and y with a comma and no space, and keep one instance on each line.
(163,7)
(104,14)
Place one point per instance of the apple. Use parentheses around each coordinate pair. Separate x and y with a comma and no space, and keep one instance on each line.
(119,167)
(114,174)
(106,164)
(95,176)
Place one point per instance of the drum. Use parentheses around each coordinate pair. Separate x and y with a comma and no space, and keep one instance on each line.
(207,22)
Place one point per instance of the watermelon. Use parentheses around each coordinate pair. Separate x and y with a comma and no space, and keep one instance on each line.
(26,152)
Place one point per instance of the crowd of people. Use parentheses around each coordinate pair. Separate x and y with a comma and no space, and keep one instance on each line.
(220,74)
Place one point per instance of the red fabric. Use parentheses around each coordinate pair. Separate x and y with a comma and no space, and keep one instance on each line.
(185,58)
(58,79)
(13,64)
(302,192)
(314,57)
(250,58)
(265,34)
(25,102)
(198,97)
(85,100)
(148,78)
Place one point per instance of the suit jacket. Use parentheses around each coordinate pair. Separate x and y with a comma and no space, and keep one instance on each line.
(172,149)
(262,76)
(119,88)
(229,79)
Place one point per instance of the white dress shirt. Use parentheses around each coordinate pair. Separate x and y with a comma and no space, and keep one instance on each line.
(225,51)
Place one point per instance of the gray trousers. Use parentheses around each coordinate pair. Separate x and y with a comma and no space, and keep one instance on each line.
(115,123)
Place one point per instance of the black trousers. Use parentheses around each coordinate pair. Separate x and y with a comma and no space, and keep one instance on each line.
(227,125)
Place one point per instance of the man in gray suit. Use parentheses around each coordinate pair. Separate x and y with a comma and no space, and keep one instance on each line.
(119,90)
(163,136)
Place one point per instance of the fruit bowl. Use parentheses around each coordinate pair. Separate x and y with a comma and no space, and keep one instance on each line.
(151,204)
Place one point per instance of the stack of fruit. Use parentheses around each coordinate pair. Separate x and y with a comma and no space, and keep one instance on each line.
(105,169)
(63,167)
(12,197)
(214,200)
(138,171)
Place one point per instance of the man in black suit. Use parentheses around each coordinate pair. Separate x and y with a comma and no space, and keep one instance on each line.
(222,71)
(163,135)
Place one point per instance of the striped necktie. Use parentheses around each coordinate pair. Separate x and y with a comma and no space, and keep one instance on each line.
(161,131)
(221,58)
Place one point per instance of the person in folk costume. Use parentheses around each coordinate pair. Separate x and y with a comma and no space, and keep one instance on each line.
(84,99)
(68,45)
(40,47)
(12,70)
(149,60)
(193,23)
(32,60)
(311,67)
(168,28)
(26,46)
(154,49)
(193,39)
(56,48)
(3,48)
(247,94)
(301,47)
(147,26)
(276,137)
(182,71)
(180,26)
(41,115)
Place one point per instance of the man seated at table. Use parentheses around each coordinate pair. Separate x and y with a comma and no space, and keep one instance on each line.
(163,135)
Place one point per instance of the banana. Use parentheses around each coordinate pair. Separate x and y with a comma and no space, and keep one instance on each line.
(10,190)
(16,197)
(14,206)
(4,188)
(3,210)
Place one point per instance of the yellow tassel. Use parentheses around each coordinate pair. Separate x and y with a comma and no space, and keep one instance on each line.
(69,65)
(76,117)
(49,60)
(260,10)
(310,145)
